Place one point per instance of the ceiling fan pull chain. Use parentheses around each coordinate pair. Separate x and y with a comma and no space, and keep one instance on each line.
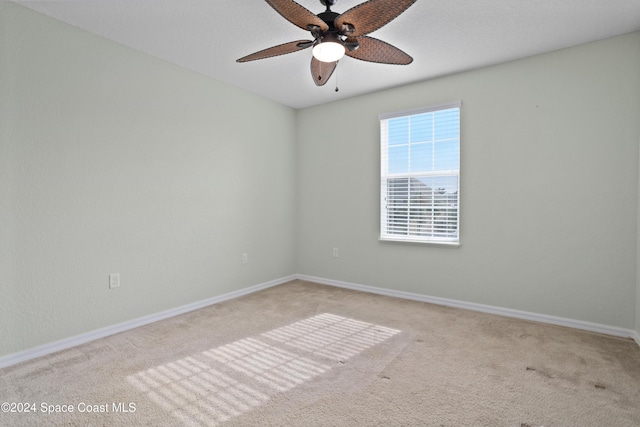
(337,76)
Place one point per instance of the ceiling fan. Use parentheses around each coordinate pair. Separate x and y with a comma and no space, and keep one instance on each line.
(335,35)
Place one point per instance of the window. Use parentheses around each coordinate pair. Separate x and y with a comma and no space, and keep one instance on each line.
(420,175)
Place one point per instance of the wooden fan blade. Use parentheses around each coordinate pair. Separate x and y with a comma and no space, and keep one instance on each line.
(374,50)
(371,15)
(281,49)
(297,15)
(321,71)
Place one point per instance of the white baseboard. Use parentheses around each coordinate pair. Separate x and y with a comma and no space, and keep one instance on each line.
(543,318)
(66,343)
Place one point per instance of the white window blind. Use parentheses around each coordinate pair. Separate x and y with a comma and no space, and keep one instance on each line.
(420,175)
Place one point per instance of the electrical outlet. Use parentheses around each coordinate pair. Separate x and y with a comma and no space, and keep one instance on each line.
(335,252)
(114,280)
(245,258)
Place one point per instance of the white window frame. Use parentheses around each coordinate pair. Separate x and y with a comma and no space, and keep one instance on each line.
(449,239)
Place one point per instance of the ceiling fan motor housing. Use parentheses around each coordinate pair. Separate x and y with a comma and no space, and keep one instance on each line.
(333,33)
(329,18)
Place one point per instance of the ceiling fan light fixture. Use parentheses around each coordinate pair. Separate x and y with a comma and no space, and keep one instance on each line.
(330,49)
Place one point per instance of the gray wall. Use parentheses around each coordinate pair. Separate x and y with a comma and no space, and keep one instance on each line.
(548,187)
(113,161)
(638,262)
(7,300)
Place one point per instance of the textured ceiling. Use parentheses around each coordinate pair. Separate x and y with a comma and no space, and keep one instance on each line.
(443,36)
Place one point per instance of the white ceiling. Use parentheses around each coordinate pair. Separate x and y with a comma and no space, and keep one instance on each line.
(443,36)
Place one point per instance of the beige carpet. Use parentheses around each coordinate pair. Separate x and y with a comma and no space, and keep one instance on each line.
(303,354)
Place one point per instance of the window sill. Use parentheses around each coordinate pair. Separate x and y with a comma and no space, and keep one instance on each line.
(443,243)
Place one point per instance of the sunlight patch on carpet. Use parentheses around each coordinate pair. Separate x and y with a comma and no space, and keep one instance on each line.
(274,367)
(210,387)
(331,336)
(196,393)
